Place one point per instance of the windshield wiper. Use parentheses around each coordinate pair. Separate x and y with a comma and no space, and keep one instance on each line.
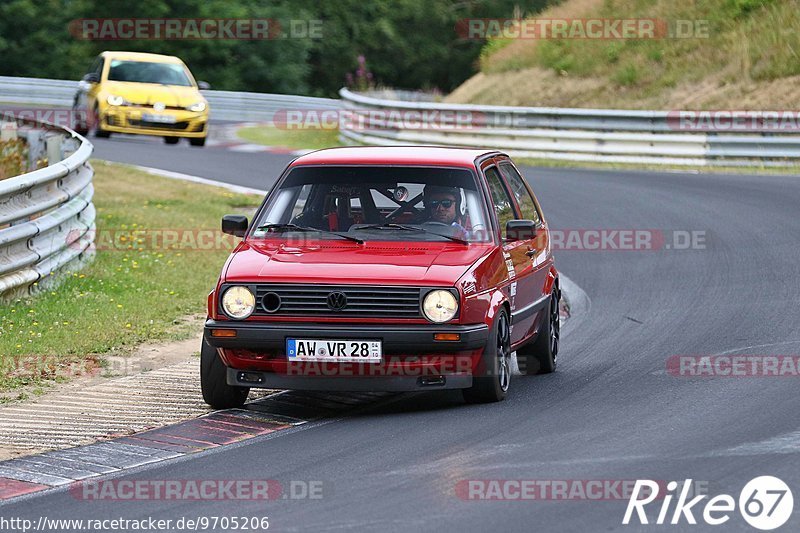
(391,225)
(295,227)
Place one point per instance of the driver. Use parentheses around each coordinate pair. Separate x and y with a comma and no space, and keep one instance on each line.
(443,205)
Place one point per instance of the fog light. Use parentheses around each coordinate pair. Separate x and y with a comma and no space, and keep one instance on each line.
(250,377)
(431,381)
(447,336)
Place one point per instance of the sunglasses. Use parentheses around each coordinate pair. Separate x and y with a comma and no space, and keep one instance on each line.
(447,204)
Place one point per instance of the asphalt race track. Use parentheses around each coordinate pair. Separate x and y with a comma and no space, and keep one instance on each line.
(240,168)
(611,411)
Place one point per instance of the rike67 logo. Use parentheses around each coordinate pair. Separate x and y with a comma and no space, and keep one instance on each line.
(765,503)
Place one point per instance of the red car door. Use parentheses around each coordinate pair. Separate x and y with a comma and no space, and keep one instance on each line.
(518,262)
(537,248)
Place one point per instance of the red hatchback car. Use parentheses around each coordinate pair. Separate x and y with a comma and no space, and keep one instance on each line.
(385,269)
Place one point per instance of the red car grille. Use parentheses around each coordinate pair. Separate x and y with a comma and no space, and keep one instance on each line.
(343,301)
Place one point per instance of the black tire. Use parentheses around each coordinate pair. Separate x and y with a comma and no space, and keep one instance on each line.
(81,127)
(99,132)
(216,391)
(172,140)
(201,141)
(494,371)
(540,356)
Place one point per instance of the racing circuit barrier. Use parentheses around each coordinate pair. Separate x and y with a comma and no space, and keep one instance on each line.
(599,135)
(224,105)
(46,216)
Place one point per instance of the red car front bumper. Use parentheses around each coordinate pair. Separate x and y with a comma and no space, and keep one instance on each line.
(413,358)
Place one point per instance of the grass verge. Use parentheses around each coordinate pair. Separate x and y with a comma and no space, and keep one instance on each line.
(301,139)
(159,254)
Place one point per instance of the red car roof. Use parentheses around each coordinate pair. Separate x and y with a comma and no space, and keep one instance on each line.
(393,155)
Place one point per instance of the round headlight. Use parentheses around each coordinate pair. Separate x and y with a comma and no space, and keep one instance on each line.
(197,107)
(440,306)
(238,302)
(115,100)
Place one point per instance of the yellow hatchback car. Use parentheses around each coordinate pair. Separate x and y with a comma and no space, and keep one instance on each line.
(147,94)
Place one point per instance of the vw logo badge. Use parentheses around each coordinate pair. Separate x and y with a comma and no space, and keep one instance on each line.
(337,301)
(158,106)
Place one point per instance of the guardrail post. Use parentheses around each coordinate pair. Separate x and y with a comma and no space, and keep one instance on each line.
(8,131)
(36,150)
(54,149)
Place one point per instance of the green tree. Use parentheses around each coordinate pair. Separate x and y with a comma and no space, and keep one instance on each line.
(410,44)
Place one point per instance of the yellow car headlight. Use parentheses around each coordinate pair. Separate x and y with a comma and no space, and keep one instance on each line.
(197,107)
(115,100)
(440,306)
(238,302)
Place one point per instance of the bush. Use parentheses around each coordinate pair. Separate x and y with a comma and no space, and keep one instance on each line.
(626,76)
(13,154)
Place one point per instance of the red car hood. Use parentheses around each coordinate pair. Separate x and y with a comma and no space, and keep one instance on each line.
(418,263)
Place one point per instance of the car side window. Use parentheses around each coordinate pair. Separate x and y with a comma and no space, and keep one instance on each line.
(523,196)
(503,205)
(97,66)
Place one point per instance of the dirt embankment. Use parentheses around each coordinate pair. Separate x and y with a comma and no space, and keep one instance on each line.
(740,55)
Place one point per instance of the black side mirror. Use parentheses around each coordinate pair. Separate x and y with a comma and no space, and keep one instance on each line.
(235,225)
(203,85)
(91,77)
(520,230)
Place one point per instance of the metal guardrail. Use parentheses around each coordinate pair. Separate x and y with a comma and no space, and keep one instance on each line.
(224,105)
(47,219)
(602,135)
(230,105)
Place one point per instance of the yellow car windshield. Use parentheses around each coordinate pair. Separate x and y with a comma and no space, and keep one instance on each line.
(146,72)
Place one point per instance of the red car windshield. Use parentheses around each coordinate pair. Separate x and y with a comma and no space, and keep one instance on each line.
(378,203)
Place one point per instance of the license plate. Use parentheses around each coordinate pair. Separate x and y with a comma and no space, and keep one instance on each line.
(163,119)
(359,351)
